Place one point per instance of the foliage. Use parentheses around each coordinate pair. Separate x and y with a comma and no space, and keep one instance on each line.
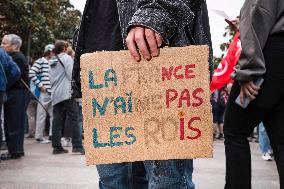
(229,33)
(45,20)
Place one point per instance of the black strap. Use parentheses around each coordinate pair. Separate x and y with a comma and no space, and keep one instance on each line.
(60,61)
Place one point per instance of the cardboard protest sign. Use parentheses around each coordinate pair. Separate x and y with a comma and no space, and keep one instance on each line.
(154,110)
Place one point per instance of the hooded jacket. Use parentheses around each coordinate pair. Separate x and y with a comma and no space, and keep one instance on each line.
(9,71)
(60,78)
(259,20)
(179,22)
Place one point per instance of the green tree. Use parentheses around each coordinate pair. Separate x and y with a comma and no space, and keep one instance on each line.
(41,21)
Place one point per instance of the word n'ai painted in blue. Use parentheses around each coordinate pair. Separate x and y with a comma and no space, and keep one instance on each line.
(118,104)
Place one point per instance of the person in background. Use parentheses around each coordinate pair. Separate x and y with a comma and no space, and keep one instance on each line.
(264,143)
(61,66)
(70,52)
(17,101)
(67,131)
(262,38)
(218,101)
(222,103)
(145,25)
(39,75)
(9,74)
(215,110)
(32,108)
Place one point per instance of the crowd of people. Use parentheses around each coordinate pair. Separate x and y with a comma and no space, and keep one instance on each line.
(39,92)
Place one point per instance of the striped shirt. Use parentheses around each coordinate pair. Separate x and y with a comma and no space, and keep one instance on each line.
(39,74)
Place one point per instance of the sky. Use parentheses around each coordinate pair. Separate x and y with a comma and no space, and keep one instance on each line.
(217,23)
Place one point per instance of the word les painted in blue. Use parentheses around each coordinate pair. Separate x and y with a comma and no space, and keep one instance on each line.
(115,135)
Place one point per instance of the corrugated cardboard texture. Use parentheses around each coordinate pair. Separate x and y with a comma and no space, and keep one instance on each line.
(154,110)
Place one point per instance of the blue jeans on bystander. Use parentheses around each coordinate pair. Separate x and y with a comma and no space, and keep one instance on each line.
(169,174)
(264,142)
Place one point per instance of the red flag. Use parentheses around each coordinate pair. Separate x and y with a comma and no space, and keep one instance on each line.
(221,75)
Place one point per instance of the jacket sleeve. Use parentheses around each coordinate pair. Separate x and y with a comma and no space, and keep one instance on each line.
(163,16)
(12,71)
(257,20)
(34,72)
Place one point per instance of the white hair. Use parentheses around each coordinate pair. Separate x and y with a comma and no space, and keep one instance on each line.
(15,40)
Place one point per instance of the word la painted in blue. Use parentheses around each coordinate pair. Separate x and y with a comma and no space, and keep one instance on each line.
(109,77)
(115,135)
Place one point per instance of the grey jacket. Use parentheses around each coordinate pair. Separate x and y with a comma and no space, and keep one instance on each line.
(60,78)
(180,23)
(259,20)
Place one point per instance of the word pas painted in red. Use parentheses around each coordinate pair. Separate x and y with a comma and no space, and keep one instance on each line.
(190,99)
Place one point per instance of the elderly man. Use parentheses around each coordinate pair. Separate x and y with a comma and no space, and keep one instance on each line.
(17,101)
(9,74)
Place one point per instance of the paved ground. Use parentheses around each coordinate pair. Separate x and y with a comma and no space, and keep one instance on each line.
(41,170)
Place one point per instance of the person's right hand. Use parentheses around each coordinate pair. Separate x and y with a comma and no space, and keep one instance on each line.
(43,89)
(248,89)
(143,40)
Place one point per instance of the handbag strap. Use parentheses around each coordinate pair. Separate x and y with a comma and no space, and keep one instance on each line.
(60,61)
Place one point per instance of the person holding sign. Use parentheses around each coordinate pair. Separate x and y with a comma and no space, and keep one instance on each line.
(262,38)
(143,27)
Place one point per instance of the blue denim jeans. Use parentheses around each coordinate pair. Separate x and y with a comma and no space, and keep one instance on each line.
(264,142)
(170,174)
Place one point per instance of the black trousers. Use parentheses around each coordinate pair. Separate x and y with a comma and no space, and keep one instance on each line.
(14,119)
(1,133)
(268,108)
(71,109)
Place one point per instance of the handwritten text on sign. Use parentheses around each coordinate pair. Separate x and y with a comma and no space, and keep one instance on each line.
(148,110)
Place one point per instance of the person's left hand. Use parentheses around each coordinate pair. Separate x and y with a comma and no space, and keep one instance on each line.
(145,40)
(248,89)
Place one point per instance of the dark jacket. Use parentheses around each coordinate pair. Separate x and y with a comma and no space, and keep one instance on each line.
(9,71)
(259,20)
(180,23)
